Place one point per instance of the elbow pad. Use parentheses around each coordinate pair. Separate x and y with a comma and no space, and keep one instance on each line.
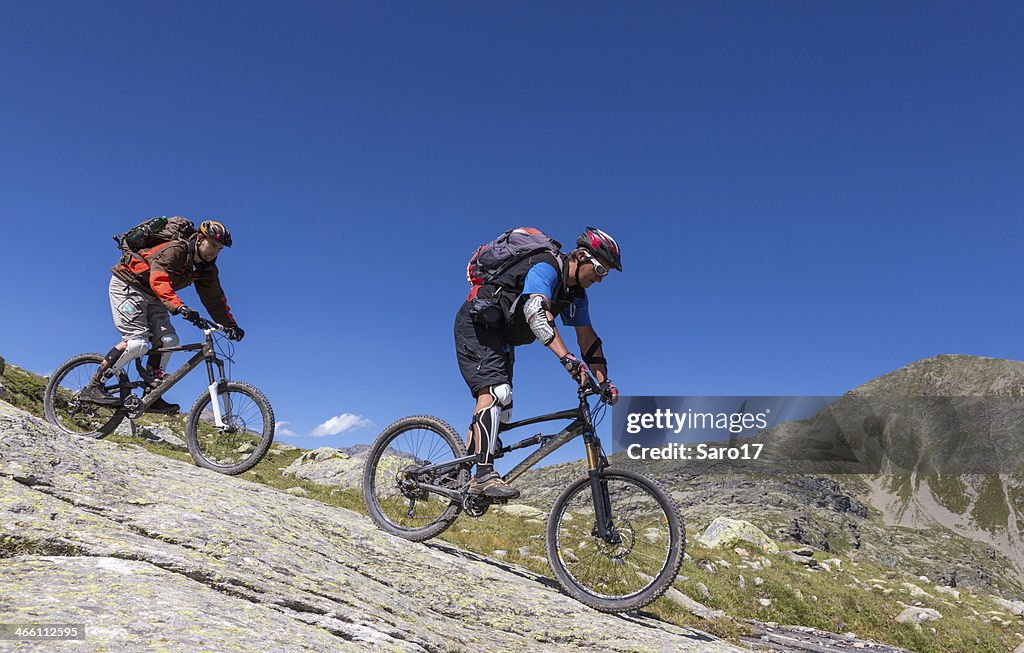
(535,310)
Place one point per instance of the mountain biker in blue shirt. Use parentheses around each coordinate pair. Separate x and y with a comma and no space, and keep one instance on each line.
(552,285)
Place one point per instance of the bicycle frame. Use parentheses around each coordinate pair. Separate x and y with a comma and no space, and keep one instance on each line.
(549,443)
(205,351)
(596,461)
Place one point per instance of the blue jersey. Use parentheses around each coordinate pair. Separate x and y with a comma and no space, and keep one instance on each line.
(543,279)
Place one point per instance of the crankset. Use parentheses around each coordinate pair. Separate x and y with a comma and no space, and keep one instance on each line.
(476,505)
(133,406)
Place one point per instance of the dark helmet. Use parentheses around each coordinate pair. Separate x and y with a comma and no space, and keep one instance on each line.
(217,231)
(601,244)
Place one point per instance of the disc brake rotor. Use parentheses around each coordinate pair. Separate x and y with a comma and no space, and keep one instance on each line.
(621,549)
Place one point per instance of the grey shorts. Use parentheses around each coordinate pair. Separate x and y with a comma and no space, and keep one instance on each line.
(136,315)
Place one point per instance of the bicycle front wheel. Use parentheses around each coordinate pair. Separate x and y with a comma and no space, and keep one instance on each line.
(244,438)
(63,407)
(639,564)
(393,497)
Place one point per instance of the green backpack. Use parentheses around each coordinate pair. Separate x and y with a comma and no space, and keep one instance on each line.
(152,232)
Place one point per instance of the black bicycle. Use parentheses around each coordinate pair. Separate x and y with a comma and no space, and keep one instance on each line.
(229,428)
(614,538)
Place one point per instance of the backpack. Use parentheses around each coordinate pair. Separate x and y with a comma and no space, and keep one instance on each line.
(492,267)
(152,232)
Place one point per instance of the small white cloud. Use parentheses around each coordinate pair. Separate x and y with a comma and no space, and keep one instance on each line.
(281,430)
(341,423)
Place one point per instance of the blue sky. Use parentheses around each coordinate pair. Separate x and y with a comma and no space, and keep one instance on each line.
(807,194)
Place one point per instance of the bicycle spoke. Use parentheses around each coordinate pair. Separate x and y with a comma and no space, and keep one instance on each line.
(622,569)
(239,440)
(71,413)
(394,494)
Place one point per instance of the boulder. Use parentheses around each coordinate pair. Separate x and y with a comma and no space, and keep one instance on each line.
(329,466)
(1014,607)
(916,615)
(522,510)
(693,607)
(160,433)
(725,532)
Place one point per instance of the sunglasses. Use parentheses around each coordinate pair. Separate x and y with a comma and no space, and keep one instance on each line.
(598,268)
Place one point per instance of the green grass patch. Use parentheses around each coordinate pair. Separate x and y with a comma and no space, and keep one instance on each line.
(949,491)
(24,389)
(990,510)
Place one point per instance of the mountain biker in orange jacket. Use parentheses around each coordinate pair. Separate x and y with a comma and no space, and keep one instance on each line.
(551,285)
(142,291)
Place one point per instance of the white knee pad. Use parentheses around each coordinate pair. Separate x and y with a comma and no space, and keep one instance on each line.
(134,348)
(503,397)
(167,340)
(502,394)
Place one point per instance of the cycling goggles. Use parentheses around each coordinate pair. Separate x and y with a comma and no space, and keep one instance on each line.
(600,269)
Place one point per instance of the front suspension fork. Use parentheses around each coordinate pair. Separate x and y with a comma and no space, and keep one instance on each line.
(216,386)
(603,524)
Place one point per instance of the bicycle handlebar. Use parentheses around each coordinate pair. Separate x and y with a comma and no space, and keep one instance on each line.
(208,325)
(591,387)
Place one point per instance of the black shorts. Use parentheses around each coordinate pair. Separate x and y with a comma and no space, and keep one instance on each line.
(484,356)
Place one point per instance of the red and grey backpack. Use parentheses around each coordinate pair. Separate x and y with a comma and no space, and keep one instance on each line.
(497,272)
(491,262)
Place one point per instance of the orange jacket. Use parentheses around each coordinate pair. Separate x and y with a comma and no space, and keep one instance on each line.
(161,270)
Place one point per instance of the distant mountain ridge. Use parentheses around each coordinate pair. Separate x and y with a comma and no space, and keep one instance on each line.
(985,507)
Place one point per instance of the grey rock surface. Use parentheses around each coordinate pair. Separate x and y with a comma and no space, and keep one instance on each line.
(798,639)
(1015,607)
(915,614)
(152,554)
(724,532)
(160,433)
(327,466)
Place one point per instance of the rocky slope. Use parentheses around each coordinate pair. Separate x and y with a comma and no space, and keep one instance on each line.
(152,554)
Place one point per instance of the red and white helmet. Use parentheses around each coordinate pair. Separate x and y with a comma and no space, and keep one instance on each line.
(601,244)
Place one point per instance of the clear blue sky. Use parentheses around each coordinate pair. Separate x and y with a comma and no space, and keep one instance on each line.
(807,194)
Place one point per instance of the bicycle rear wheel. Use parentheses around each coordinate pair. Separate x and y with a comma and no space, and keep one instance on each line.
(247,433)
(63,407)
(393,498)
(630,573)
